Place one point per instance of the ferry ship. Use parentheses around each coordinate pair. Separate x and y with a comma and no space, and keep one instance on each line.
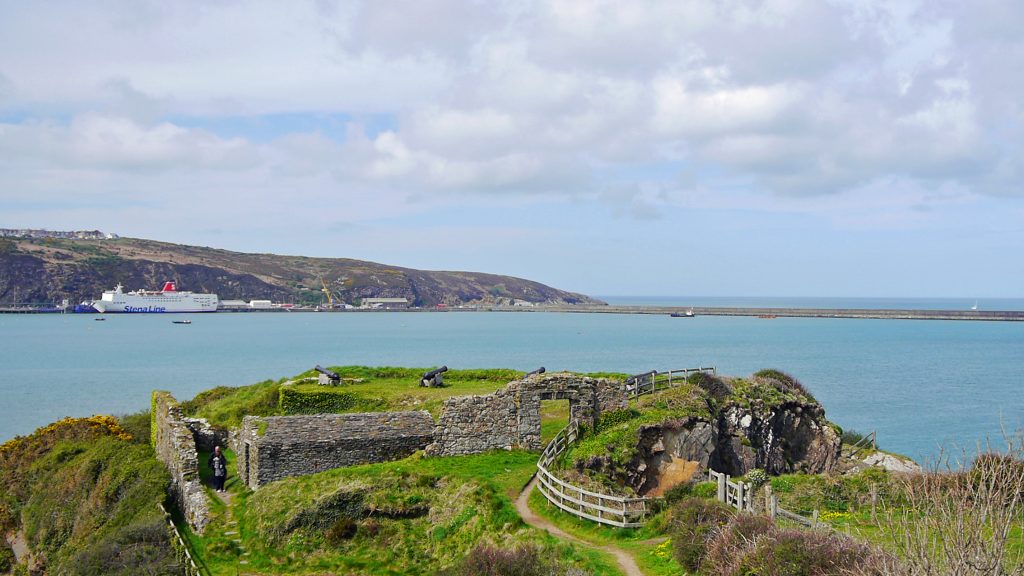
(167,300)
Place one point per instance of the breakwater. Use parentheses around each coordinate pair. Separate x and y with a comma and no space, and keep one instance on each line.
(769,313)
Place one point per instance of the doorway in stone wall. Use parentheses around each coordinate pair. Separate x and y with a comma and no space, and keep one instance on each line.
(554,415)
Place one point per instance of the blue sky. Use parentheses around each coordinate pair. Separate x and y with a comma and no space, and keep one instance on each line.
(695,147)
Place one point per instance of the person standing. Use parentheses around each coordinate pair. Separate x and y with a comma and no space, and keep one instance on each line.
(219,464)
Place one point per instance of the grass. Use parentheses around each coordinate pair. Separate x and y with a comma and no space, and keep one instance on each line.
(409,516)
(646,544)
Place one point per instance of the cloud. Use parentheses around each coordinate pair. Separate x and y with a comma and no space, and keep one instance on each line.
(790,100)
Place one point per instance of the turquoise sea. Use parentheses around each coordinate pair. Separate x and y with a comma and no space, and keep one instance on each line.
(923,385)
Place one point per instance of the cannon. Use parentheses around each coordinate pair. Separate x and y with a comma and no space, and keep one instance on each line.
(327,376)
(434,378)
(636,381)
(536,372)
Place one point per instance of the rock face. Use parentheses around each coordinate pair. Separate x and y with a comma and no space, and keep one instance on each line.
(792,437)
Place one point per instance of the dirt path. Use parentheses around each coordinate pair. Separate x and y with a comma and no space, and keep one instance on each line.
(625,561)
(19,545)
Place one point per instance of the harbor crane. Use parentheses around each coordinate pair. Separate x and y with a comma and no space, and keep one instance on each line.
(327,291)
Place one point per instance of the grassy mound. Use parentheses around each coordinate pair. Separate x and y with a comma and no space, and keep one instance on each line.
(363,389)
(412,516)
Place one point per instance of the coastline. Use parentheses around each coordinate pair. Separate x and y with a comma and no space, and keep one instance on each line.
(766,313)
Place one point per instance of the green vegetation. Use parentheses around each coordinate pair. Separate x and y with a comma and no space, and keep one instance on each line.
(648,545)
(363,389)
(412,516)
(85,494)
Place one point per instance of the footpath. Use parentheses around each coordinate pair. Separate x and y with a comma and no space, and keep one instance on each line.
(625,560)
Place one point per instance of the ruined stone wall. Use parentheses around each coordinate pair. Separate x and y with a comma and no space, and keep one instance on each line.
(272,448)
(176,448)
(510,417)
(206,436)
(474,424)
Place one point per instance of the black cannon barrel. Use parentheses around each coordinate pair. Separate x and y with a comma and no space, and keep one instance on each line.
(432,373)
(639,377)
(540,370)
(326,372)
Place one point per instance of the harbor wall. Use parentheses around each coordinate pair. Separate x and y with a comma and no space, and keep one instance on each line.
(175,446)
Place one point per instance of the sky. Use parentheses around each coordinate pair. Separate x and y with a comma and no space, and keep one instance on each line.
(688,147)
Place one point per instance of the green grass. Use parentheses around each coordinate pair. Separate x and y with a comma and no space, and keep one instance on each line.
(644,544)
(411,516)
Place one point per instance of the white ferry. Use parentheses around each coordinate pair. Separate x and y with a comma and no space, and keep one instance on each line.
(167,300)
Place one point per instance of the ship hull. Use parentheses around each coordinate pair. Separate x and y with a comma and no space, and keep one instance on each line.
(173,302)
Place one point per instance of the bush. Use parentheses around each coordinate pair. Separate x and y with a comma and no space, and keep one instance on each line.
(705,490)
(6,559)
(678,492)
(486,560)
(787,382)
(730,544)
(342,529)
(757,477)
(713,385)
(694,522)
(802,553)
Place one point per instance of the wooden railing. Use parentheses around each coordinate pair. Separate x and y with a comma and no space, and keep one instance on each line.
(739,495)
(655,381)
(618,511)
(181,548)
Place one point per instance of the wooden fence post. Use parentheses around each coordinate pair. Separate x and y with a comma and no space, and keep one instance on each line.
(722,479)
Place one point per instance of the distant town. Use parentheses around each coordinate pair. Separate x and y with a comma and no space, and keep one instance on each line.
(69,235)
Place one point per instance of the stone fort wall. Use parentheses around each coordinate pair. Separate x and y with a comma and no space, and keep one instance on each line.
(175,446)
(276,447)
(510,417)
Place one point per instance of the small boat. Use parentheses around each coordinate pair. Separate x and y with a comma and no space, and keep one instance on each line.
(687,314)
(181,321)
(99,319)
(975,307)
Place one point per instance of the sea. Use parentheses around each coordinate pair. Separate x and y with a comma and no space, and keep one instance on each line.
(929,388)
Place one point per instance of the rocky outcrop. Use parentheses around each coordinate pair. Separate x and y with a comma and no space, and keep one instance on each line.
(792,437)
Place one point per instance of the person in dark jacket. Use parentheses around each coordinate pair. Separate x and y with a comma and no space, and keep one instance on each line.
(219,464)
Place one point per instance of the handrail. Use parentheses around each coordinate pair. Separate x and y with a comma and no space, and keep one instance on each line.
(664,380)
(618,511)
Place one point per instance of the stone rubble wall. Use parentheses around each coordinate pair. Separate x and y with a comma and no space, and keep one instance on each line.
(474,424)
(175,446)
(510,418)
(284,446)
(206,436)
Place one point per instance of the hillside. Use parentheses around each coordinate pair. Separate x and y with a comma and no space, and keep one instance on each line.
(51,269)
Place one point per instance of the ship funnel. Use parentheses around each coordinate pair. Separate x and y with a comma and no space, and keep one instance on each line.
(169,287)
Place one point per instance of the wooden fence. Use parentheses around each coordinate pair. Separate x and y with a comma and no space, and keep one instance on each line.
(181,549)
(739,495)
(607,509)
(618,511)
(655,381)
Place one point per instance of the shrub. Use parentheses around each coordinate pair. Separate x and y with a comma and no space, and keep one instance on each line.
(6,558)
(802,553)
(609,419)
(713,385)
(486,560)
(694,522)
(787,382)
(704,490)
(678,492)
(343,529)
(731,543)
(757,477)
